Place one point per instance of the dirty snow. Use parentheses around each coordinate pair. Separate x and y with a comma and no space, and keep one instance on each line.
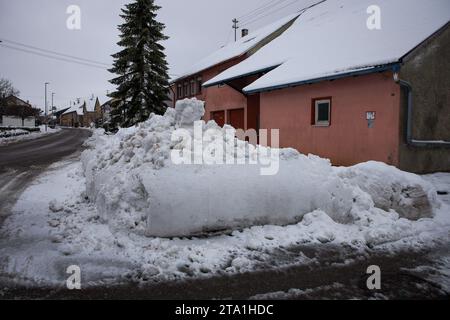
(59,221)
(53,226)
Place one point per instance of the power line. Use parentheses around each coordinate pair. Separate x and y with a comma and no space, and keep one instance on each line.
(53,57)
(262,11)
(261,8)
(301,11)
(54,52)
(269,13)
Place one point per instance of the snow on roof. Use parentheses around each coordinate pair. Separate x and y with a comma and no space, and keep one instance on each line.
(237,48)
(75,108)
(90,103)
(333,38)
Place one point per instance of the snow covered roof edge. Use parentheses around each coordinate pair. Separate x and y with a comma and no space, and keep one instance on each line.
(237,49)
(355,48)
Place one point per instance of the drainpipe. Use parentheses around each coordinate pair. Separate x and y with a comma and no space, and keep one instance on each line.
(409,139)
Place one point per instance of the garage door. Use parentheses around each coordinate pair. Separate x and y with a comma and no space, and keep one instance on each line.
(218,117)
(236,118)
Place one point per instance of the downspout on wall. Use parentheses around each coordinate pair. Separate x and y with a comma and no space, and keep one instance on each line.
(409,138)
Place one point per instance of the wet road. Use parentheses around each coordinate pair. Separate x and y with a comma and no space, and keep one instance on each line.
(21,162)
(332,278)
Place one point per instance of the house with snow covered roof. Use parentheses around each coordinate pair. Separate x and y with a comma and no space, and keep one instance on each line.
(15,112)
(73,117)
(82,113)
(225,104)
(337,87)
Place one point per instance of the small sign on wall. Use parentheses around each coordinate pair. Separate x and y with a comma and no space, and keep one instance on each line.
(371,117)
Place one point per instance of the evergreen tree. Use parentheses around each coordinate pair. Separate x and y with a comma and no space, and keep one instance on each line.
(142,81)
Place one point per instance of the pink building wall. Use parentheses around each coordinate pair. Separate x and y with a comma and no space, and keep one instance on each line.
(218,98)
(348,140)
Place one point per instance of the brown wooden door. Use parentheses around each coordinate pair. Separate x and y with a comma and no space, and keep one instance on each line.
(237,118)
(218,117)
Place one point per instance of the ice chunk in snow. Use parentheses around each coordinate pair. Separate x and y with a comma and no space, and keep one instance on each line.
(391,189)
(188,111)
(135,185)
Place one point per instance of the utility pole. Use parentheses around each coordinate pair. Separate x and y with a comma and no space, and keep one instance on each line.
(53,106)
(235,27)
(46,110)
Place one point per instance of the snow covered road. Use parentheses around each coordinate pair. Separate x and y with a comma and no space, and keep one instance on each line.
(312,226)
(54,226)
(23,161)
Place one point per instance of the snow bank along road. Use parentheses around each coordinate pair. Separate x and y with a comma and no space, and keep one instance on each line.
(22,161)
(93,214)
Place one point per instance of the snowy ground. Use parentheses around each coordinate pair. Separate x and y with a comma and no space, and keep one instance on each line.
(106,212)
(28,136)
(44,236)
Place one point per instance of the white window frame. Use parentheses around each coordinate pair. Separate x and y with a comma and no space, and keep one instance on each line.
(316,106)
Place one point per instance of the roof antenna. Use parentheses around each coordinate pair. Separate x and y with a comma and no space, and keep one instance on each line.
(235,27)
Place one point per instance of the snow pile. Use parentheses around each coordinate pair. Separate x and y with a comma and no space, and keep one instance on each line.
(407,194)
(13,133)
(52,227)
(20,135)
(136,187)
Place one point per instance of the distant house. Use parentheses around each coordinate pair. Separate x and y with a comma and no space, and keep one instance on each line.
(82,113)
(92,111)
(73,117)
(338,87)
(55,117)
(14,112)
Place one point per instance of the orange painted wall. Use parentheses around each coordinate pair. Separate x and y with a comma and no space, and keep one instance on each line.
(219,98)
(348,140)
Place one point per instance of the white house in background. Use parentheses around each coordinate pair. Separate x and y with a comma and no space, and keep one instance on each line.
(14,112)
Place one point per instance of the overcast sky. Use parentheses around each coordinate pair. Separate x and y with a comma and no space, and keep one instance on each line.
(196,28)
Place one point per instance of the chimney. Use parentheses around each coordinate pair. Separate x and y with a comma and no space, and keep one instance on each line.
(244,32)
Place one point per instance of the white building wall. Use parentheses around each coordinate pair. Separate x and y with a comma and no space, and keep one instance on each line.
(30,122)
(9,121)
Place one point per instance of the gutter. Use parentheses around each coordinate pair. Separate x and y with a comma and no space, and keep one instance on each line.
(410,141)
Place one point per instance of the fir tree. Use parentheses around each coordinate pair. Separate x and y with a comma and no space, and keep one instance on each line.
(142,81)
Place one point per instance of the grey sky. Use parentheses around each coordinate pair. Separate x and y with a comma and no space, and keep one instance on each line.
(195,27)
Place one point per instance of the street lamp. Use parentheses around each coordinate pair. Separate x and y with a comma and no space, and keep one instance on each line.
(46,110)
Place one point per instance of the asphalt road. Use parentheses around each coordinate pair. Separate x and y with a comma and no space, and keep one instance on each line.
(329,279)
(21,162)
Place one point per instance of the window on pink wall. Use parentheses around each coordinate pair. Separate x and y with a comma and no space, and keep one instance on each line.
(321,112)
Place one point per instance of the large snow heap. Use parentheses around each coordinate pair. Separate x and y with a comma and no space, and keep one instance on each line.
(136,187)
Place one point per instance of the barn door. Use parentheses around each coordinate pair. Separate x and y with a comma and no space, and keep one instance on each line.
(236,118)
